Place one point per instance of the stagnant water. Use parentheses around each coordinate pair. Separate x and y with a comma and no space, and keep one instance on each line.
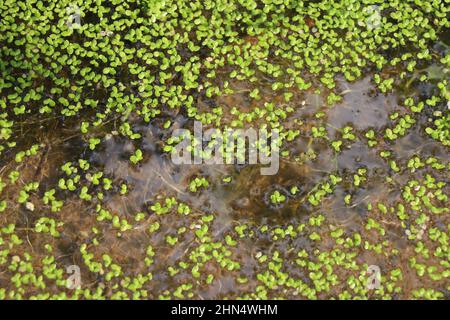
(249,240)
(244,200)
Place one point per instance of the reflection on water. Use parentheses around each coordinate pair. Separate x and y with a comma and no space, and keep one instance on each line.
(238,194)
(247,196)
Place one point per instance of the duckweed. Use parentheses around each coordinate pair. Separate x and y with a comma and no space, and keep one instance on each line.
(360,98)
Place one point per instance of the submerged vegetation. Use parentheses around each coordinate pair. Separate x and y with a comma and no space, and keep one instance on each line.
(358,89)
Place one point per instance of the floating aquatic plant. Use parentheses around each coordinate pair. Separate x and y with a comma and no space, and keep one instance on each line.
(87,112)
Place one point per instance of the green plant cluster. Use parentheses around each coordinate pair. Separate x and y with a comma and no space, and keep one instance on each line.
(86,121)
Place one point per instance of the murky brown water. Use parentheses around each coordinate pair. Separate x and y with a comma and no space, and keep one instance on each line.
(246,198)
